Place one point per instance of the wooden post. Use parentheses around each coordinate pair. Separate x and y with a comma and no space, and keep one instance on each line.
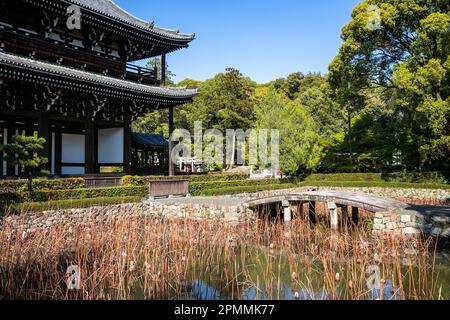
(355,216)
(287,211)
(171,130)
(312,212)
(58,150)
(89,141)
(127,144)
(345,220)
(163,70)
(334,221)
(44,132)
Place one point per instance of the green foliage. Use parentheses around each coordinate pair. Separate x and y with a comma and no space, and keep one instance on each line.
(195,178)
(24,152)
(130,181)
(406,177)
(198,188)
(9,186)
(245,189)
(37,207)
(409,57)
(299,148)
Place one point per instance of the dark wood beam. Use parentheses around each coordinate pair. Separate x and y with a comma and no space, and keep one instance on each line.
(44,132)
(89,141)
(58,150)
(163,70)
(127,144)
(171,130)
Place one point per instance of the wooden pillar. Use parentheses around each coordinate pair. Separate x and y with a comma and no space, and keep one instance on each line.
(89,142)
(163,70)
(58,150)
(312,212)
(334,221)
(344,211)
(11,131)
(287,211)
(44,132)
(355,216)
(128,145)
(171,130)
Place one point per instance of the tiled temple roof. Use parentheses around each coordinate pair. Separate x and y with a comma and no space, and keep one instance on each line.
(150,140)
(47,68)
(110,9)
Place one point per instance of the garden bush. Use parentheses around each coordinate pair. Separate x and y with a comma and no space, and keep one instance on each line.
(11,186)
(196,188)
(245,189)
(34,207)
(404,177)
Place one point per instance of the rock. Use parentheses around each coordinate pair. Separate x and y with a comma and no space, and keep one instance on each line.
(436,232)
(379,216)
(439,219)
(411,231)
(405,218)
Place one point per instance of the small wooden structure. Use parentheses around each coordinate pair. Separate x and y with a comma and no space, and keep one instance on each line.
(168,188)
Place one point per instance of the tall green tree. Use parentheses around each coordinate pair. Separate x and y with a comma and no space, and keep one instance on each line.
(406,51)
(224,102)
(299,143)
(24,152)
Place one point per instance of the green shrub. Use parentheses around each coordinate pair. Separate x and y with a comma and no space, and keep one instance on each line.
(196,188)
(404,177)
(245,189)
(134,181)
(36,207)
(375,184)
(193,178)
(11,186)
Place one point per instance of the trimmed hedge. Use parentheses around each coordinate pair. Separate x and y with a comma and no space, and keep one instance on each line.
(34,207)
(197,188)
(195,178)
(55,195)
(405,177)
(10,186)
(246,189)
(375,184)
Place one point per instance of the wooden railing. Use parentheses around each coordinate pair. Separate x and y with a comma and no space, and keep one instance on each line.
(168,188)
(48,51)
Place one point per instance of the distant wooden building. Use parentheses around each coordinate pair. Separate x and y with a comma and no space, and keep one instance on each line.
(150,154)
(77,88)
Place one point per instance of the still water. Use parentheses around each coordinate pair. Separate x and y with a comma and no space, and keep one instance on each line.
(208,287)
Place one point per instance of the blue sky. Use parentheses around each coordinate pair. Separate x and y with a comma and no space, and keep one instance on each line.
(264,39)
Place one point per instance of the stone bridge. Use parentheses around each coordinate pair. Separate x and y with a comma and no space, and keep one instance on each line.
(335,200)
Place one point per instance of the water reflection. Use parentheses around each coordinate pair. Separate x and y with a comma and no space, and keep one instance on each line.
(199,290)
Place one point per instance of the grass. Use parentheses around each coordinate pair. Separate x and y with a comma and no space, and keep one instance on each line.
(144,258)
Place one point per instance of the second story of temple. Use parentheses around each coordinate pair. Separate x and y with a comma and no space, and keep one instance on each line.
(91,35)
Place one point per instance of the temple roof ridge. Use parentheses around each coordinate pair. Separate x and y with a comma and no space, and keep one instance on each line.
(110,9)
(77,74)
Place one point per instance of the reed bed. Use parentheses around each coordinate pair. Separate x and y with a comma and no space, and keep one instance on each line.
(137,258)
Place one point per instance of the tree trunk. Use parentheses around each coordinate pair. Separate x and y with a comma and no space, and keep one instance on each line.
(30,181)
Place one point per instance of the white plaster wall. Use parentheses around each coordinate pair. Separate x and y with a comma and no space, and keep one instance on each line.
(73,148)
(110,146)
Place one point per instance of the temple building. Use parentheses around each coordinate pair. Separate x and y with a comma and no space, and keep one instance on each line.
(76,87)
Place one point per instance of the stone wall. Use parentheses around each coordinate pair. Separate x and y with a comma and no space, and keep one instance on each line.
(411,223)
(29,223)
